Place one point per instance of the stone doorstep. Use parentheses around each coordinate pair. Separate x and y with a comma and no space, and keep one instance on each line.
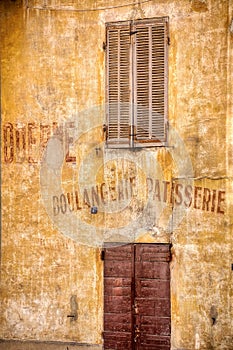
(39,345)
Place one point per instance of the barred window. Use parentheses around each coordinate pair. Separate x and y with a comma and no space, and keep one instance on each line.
(136,82)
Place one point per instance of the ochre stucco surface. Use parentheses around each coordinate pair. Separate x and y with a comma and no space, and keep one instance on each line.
(53,74)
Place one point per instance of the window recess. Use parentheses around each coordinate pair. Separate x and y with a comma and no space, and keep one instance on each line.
(136,83)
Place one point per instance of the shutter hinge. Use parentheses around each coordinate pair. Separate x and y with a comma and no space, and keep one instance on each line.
(134,32)
(104,45)
(132,135)
(105,131)
(132,131)
(102,255)
(168,40)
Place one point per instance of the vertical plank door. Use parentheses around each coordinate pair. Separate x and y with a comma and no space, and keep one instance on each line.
(137,297)
(152,296)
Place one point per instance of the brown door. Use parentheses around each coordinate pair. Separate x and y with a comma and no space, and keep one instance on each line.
(137,297)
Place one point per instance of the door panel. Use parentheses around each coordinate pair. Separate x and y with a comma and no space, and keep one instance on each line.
(137,297)
(152,295)
(118,266)
(145,288)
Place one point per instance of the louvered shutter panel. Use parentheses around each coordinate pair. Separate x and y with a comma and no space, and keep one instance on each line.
(118,83)
(150,71)
(136,89)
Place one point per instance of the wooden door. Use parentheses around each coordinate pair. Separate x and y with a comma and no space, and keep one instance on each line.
(137,297)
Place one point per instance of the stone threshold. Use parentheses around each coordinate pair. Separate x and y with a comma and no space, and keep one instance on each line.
(45,345)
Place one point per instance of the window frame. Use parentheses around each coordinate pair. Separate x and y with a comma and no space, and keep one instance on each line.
(130,140)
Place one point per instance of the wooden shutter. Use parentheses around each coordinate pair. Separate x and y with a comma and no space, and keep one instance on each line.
(118,82)
(136,88)
(150,72)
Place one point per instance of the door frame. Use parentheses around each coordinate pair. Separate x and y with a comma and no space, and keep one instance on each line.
(134,346)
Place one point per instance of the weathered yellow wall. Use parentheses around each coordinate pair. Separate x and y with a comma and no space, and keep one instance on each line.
(52,71)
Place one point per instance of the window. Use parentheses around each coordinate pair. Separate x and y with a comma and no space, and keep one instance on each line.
(136,86)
